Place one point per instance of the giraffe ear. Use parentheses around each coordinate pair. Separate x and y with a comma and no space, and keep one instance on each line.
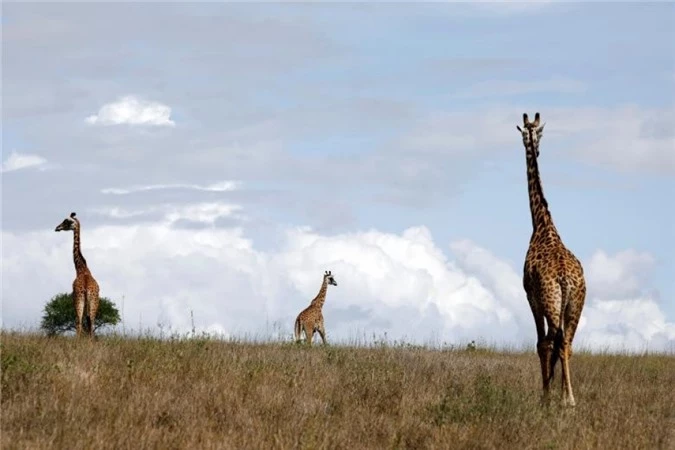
(518,128)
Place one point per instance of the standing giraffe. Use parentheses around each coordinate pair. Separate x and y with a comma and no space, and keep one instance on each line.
(310,320)
(85,287)
(553,277)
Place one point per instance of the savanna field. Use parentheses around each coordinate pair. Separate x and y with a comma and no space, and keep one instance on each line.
(204,393)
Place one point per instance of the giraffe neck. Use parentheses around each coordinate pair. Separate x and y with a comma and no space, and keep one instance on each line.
(321,296)
(541,216)
(78,259)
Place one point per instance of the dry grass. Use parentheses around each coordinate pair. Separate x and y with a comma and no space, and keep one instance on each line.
(146,393)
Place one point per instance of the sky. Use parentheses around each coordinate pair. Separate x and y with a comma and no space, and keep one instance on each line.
(221,157)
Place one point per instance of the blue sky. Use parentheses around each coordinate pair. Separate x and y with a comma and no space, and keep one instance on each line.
(340,120)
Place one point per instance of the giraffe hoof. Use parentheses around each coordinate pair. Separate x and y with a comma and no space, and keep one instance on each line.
(569,402)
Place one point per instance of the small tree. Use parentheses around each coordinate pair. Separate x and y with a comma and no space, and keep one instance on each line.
(59,315)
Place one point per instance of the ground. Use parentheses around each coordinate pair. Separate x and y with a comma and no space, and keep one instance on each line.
(201,393)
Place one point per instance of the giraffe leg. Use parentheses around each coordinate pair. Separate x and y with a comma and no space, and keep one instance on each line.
(309,332)
(79,302)
(567,395)
(547,358)
(571,321)
(92,304)
(322,333)
(542,347)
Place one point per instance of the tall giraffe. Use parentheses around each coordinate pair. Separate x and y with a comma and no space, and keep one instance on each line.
(310,319)
(552,277)
(85,287)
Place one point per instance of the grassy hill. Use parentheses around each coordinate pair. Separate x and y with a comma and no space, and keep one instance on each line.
(200,393)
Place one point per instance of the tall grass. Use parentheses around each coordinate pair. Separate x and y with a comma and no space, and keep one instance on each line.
(199,392)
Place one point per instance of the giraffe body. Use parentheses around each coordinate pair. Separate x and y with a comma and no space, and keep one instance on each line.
(310,319)
(85,287)
(553,277)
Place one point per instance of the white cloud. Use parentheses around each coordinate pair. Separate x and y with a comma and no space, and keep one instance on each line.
(618,276)
(132,111)
(221,186)
(18,161)
(637,324)
(400,284)
(205,213)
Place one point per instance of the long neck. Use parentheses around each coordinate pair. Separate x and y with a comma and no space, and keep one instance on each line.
(541,216)
(321,296)
(78,259)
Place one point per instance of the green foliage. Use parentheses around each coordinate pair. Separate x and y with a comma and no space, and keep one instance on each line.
(59,315)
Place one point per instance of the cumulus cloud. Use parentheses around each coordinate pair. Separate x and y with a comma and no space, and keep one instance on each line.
(403,285)
(618,276)
(18,161)
(635,324)
(132,111)
(221,186)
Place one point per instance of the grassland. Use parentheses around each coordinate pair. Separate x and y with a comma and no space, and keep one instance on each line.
(200,393)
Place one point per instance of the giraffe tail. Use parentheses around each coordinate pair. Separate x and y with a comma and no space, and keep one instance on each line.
(297,331)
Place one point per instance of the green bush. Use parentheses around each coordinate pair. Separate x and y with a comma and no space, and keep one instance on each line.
(59,315)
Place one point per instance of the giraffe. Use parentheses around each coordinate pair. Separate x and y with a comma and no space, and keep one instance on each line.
(85,287)
(553,277)
(310,319)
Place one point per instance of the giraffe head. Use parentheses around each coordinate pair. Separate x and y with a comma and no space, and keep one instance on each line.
(328,277)
(68,224)
(532,133)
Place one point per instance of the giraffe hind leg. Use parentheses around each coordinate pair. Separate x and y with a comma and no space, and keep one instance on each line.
(542,352)
(79,303)
(565,355)
(548,359)
(92,306)
(322,333)
(309,332)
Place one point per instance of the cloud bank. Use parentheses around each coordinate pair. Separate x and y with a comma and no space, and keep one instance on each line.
(403,285)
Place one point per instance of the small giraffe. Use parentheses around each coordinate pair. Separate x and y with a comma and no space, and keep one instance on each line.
(552,277)
(85,287)
(310,320)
